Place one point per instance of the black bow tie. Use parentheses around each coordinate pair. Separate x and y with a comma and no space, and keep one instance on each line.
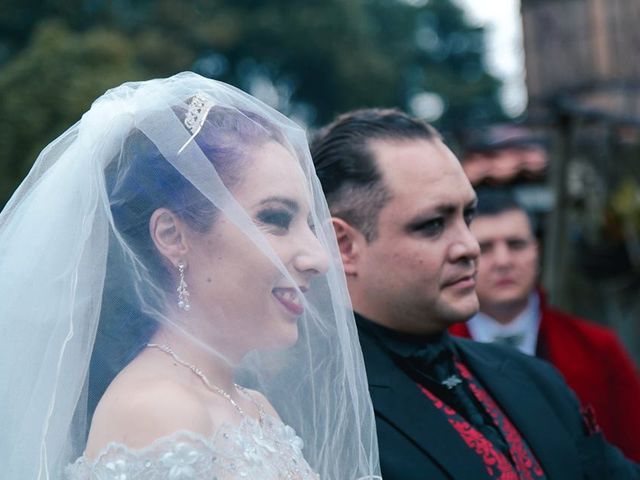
(436,363)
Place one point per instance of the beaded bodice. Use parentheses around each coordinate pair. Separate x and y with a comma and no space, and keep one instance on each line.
(266,450)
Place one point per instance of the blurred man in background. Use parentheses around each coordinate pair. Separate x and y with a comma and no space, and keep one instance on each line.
(514,312)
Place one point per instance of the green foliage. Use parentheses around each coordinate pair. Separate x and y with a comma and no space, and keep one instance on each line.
(48,87)
(311,59)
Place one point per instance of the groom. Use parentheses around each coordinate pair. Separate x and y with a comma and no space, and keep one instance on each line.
(445,408)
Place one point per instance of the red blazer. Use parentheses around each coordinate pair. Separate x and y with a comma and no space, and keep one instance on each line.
(597,367)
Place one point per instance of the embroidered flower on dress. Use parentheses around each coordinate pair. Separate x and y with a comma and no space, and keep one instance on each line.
(117,469)
(180,461)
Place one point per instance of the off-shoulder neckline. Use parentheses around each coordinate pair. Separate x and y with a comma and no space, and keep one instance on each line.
(205,441)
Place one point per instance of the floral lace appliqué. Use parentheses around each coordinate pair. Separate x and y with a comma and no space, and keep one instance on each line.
(266,449)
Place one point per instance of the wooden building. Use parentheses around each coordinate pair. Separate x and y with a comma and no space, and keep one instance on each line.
(582,62)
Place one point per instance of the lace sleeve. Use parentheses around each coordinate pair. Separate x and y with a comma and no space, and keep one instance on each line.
(269,450)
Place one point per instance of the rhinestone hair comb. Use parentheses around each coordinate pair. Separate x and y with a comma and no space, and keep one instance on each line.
(199,108)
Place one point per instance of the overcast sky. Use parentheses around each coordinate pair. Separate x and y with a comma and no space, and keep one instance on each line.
(501,18)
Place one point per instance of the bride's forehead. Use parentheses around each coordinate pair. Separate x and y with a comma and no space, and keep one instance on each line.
(273,172)
(274,164)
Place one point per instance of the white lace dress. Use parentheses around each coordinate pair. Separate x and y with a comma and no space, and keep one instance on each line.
(265,449)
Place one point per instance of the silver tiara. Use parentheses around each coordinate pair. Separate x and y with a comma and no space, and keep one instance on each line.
(199,108)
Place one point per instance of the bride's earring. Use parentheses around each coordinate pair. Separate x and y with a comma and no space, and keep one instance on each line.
(183,292)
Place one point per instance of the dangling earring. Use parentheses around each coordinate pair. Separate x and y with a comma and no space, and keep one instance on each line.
(183,293)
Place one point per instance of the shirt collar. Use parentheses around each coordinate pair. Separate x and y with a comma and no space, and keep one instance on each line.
(484,328)
(405,345)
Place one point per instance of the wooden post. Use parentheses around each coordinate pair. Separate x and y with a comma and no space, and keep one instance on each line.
(555,265)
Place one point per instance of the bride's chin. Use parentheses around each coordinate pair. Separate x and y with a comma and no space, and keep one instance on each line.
(286,336)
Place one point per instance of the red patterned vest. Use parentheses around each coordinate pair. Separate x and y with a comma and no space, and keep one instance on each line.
(522,465)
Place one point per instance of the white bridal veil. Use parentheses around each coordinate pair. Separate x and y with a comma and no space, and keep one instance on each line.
(83,288)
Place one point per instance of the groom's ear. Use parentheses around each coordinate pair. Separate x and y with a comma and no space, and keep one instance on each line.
(168,233)
(350,244)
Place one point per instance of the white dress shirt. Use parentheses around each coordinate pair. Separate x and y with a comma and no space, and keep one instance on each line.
(521,332)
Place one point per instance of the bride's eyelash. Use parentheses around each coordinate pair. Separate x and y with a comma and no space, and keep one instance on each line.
(311,223)
(276,217)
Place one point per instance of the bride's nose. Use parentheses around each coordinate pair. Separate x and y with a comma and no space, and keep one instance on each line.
(312,258)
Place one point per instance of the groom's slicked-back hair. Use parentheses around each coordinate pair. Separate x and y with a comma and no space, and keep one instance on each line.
(346,164)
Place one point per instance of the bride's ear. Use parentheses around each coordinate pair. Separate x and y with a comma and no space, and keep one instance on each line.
(168,234)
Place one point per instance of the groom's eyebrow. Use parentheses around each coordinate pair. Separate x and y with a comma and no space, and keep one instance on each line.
(287,202)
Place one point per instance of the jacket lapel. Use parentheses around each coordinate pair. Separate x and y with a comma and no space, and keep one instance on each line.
(525,405)
(397,399)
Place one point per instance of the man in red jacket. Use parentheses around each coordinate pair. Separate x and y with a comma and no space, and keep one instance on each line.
(514,312)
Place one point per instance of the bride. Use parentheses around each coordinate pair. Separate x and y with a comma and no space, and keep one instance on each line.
(172,305)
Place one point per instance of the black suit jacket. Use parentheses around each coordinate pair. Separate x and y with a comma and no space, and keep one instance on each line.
(417,442)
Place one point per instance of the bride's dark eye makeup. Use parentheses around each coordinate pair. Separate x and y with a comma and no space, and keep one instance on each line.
(275,217)
(277,213)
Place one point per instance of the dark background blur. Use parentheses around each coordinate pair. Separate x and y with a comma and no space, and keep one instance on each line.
(309,59)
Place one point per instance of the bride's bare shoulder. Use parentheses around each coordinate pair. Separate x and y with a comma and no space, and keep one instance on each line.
(136,411)
(259,399)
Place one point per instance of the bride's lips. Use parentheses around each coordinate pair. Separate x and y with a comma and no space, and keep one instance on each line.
(290,299)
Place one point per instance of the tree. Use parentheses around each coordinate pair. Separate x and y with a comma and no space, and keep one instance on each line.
(48,87)
(310,59)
